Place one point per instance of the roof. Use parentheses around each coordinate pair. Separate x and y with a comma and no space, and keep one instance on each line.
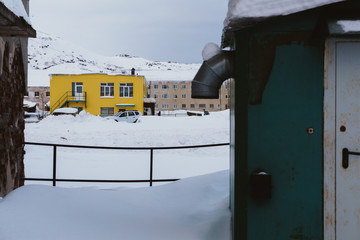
(14,20)
(242,13)
(17,7)
(103,74)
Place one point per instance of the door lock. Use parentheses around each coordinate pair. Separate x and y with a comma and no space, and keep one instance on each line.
(310,130)
(342,128)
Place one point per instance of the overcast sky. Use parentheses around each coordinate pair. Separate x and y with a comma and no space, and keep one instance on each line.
(159,30)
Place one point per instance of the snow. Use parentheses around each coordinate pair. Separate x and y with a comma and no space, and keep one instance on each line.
(17,7)
(52,55)
(66,110)
(29,104)
(149,100)
(238,9)
(349,25)
(210,50)
(87,129)
(195,207)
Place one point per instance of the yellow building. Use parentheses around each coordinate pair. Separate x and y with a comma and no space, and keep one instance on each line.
(98,94)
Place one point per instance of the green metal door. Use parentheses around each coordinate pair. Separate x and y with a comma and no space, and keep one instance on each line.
(285,141)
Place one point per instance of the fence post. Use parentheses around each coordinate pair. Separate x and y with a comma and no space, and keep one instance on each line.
(151,165)
(54,166)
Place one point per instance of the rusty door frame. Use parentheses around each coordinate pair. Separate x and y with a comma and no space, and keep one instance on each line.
(330,136)
(329,140)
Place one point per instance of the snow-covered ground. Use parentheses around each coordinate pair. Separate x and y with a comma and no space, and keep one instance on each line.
(195,207)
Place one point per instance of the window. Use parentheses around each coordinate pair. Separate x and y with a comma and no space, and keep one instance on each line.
(156,96)
(164,106)
(211,106)
(156,105)
(36,94)
(126,90)
(183,106)
(226,106)
(175,106)
(183,96)
(219,106)
(106,111)
(165,86)
(165,95)
(192,105)
(175,86)
(226,96)
(48,94)
(175,96)
(183,86)
(26,94)
(123,115)
(156,86)
(202,106)
(77,89)
(106,89)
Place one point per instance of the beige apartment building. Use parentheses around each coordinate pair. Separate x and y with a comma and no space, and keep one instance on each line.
(39,95)
(176,95)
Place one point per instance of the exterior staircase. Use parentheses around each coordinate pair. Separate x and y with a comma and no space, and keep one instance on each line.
(67,97)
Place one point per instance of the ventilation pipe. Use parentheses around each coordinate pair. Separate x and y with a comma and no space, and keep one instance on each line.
(217,67)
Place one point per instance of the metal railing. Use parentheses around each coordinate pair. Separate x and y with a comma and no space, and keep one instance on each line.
(68,96)
(151,180)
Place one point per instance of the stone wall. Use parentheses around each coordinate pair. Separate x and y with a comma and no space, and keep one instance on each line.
(12,86)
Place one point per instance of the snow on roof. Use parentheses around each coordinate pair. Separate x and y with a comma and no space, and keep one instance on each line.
(243,9)
(149,100)
(38,78)
(349,25)
(17,7)
(29,104)
(66,110)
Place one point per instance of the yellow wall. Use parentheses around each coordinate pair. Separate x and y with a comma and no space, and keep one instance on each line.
(60,84)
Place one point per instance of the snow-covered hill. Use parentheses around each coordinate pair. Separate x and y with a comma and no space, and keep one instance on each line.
(53,55)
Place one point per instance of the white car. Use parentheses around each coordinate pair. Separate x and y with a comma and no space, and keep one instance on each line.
(126,116)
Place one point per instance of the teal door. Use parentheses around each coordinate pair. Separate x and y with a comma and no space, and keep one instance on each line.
(285,135)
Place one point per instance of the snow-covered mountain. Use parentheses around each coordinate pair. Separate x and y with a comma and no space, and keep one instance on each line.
(53,55)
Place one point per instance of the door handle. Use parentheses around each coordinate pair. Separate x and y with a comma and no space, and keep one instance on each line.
(345,157)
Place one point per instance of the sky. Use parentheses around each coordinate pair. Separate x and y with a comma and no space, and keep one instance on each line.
(159,30)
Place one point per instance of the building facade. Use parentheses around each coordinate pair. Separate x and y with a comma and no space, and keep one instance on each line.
(98,94)
(39,95)
(176,95)
(14,32)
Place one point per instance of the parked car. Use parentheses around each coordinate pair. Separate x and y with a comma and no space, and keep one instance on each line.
(126,116)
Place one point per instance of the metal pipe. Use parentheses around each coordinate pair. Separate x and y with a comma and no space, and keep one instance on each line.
(212,74)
